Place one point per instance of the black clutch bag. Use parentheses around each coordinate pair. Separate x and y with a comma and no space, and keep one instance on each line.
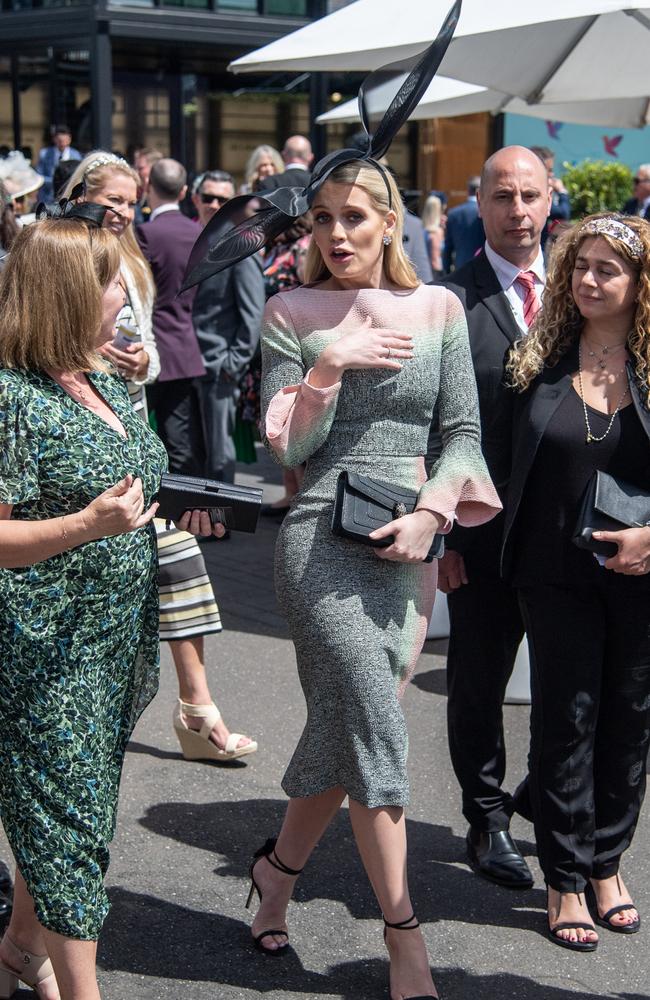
(609,504)
(363,504)
(236,507)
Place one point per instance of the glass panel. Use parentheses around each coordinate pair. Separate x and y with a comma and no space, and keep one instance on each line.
(290,8)
(250,5)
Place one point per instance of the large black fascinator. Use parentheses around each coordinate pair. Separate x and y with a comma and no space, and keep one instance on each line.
(71,208)
(246,224)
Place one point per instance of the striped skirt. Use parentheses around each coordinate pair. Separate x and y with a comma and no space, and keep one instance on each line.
(187,603)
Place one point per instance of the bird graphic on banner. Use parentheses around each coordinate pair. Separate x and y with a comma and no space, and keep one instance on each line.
(553,129)
(610,143)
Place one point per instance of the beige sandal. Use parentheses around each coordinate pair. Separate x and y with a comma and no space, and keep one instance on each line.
(196,743)
(34,970)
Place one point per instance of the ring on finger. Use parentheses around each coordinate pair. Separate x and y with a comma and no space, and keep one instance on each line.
(389,353)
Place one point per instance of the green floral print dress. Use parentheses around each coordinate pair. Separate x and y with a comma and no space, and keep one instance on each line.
(78,643)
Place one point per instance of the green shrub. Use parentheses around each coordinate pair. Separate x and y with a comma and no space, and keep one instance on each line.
(597,186)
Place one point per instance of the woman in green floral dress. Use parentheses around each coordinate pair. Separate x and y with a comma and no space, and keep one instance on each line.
(79,619)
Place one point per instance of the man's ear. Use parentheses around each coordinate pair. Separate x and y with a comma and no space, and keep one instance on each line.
(183,193)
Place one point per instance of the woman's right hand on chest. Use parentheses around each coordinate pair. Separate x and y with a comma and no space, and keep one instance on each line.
(118,510)
(362,348)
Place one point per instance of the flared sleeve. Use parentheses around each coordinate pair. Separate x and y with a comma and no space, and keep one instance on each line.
(459,487)
(18,445)
(296,416)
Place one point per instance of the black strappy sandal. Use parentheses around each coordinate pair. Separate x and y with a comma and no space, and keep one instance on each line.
(266,852)
(566,925)
(406,925)
(604,921)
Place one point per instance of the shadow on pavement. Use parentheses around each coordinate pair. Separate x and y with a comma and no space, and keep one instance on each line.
(149,937)
(431,681)
(440,890)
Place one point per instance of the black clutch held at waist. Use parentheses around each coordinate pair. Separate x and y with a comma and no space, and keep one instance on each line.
(609,504)
(363,504)
(236,507)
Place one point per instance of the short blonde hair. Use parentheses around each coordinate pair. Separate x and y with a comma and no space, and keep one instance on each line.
(397,267)
(51,295)
(252,164)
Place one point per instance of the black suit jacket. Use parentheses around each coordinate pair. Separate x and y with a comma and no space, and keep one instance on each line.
(294,177)
(492,331)
(532,412)
(631,207)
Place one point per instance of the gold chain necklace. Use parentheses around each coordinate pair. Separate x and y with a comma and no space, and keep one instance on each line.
(592,437)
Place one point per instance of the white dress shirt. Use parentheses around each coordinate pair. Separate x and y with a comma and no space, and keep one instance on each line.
(507,274)
(169,206)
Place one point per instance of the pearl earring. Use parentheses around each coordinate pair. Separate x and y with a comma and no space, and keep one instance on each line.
(387,240)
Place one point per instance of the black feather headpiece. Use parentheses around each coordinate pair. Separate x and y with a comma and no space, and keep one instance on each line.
(247,223)
(71,208)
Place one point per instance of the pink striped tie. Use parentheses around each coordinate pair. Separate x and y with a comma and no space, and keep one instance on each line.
(532,305)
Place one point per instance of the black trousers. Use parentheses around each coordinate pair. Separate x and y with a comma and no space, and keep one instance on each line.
(486,630)
(590,721)
(218,403)
(178,419)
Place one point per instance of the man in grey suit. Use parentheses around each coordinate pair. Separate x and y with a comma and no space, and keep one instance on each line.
(227,316)
(500,290)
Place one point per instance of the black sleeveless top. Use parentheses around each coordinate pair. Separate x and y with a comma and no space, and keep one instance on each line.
(563,466)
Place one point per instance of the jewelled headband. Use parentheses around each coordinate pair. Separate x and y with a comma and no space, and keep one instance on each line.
(611,226)
(105,160)
(247,223)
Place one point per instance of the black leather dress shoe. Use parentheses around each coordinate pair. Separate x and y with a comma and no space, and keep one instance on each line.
(496,857)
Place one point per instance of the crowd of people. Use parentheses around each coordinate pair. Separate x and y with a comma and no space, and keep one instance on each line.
(466,359)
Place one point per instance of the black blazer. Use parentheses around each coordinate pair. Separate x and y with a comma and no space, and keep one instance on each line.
(631,207)
(492,331)
(533,410)
(294,177)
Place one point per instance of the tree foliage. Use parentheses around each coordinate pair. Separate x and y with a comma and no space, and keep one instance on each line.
(597,186)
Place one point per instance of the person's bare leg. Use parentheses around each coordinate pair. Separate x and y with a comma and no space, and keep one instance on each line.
(381,839)
(75,965)
(25,932)
(305,822)
(193,685)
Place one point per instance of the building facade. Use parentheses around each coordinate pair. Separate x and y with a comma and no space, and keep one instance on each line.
(128,73)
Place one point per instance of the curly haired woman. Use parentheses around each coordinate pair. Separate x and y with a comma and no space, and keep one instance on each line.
(583,373)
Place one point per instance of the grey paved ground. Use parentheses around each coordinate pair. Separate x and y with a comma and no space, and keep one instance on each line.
(178,928)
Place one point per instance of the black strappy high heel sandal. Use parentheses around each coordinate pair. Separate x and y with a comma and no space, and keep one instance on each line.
(605,920)
(406,925)
(565,925)
(266,852)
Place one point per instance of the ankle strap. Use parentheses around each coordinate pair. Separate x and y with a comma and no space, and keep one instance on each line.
(404,925)
(268,850)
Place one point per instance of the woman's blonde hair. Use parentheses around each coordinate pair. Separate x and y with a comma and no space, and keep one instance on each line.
(558,324)
(253,162)
(95,171)
(432,213)
(397,267)
(51,295)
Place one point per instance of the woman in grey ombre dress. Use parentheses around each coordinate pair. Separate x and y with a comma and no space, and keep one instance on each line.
(353,364)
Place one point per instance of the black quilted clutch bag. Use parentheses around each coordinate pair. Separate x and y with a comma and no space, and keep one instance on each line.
(363,504)
(609,504)
(236,507)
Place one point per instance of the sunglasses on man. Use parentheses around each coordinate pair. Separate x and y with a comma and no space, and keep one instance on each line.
(640,180)
(209,199)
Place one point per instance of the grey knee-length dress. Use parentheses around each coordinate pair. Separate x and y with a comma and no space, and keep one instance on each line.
(359,622)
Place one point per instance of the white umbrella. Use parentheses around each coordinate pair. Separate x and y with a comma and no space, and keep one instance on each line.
(445,97)
(558,51)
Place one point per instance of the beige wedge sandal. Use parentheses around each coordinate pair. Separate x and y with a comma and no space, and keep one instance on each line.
(34,970)
(196,743)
